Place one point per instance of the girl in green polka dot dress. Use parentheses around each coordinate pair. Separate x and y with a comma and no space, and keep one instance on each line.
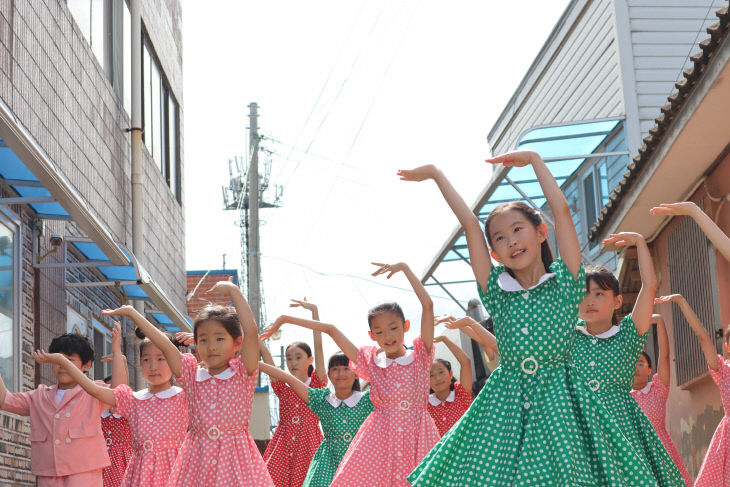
(605,353)
(534,422)
(340,413)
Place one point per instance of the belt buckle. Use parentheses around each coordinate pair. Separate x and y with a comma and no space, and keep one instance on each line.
(404,405)
(295,420)
(213,433)
(347,437)
(529,366)
(147,445)
(594,384)
(108,443)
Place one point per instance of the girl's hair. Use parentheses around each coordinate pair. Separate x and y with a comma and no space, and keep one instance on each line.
(389,307)
(648,359)
(446,364)
(604,279)
(533,216)
(341,359)
(225,315)
(306,349)
(73,343)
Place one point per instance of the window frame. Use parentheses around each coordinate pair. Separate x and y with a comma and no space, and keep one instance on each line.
(98,326)
(12,221)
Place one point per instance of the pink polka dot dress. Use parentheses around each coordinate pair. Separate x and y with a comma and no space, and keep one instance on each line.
(400,432)
(447,412)
(653,401)
(297,437)
(158,423)
(118,445)
(218,450)
(715,470)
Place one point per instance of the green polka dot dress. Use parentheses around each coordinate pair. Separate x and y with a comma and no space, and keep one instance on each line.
(607,364)
(340,422)
(534,423)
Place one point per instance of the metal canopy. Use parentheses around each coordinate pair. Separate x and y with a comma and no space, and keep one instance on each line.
(29,172)
(564,148)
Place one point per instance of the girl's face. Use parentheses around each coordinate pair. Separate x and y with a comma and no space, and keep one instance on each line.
(154,366)
(643,371)
(515,240)
(298,362)
(440,377)
(216,346)
(388,330)
(598,304)
(342,377)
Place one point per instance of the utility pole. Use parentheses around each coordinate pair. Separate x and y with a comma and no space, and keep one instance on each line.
(254,254)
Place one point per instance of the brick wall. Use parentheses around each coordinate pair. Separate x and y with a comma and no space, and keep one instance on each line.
(200,300)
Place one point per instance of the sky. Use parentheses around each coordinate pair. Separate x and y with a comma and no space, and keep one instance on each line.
(348,93)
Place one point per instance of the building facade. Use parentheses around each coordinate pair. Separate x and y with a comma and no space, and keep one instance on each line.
(67,206)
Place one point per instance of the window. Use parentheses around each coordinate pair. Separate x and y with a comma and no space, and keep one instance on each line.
(101,339)
(9,295)
(94,19)
(127,58)
(161,127)
(692,274)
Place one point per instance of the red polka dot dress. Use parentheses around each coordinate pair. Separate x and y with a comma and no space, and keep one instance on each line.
(400,432)
(653,401)
(296,438)
(158,423)
(118,445)
(218,450)
(447,412)
(715,470)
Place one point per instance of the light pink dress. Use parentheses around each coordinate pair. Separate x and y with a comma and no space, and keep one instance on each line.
(653,401)
(158,423)
(399,433)
(218,450)
(715,470)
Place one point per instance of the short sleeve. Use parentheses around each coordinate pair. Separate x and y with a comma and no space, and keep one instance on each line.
(363,363)
(18,402)
(721,376)
(423,357)
(661,391)
(629,335)
(574,288)
(316,400)
(124,398)
(315,382)
(492,296)
(279,387)
(188,369)
(240,368)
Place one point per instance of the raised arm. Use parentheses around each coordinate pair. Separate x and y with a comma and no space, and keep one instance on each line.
(471,328)
(644,306)
(347,347)
(277,374)
(565,234)
(465,374)
(481,262)
(706,342)
(718,238)
(172,354)
(120,371)
(423,297)
(663,367)
(250,347)
(318,349)
(103,394)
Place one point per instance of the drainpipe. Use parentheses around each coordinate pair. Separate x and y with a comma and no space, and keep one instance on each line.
(137,159)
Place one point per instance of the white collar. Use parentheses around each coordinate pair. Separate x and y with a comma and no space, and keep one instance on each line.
(202,374)
(382,361)
(350,401)
(509,283)
(645,389)
(435,401)
(107,412)
(145,394)
(606,334)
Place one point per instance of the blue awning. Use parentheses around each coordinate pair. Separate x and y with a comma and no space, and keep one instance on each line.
(564,148)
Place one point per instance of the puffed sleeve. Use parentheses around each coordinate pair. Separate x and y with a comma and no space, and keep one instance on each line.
(574,288)
(364,361)
(188,369)
(315,382)
(658,388)
(125,400)
(423,357)
(492,298)
(316,401)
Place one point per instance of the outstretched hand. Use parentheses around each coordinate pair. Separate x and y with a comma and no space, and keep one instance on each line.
(418,174)
(453,323)
(674,209)
(226,288)
(268,332)
(672,298)
(185,338)
(389,268)
(515,158)
(43,357)
(125,310)
(295,303)
(623,239)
